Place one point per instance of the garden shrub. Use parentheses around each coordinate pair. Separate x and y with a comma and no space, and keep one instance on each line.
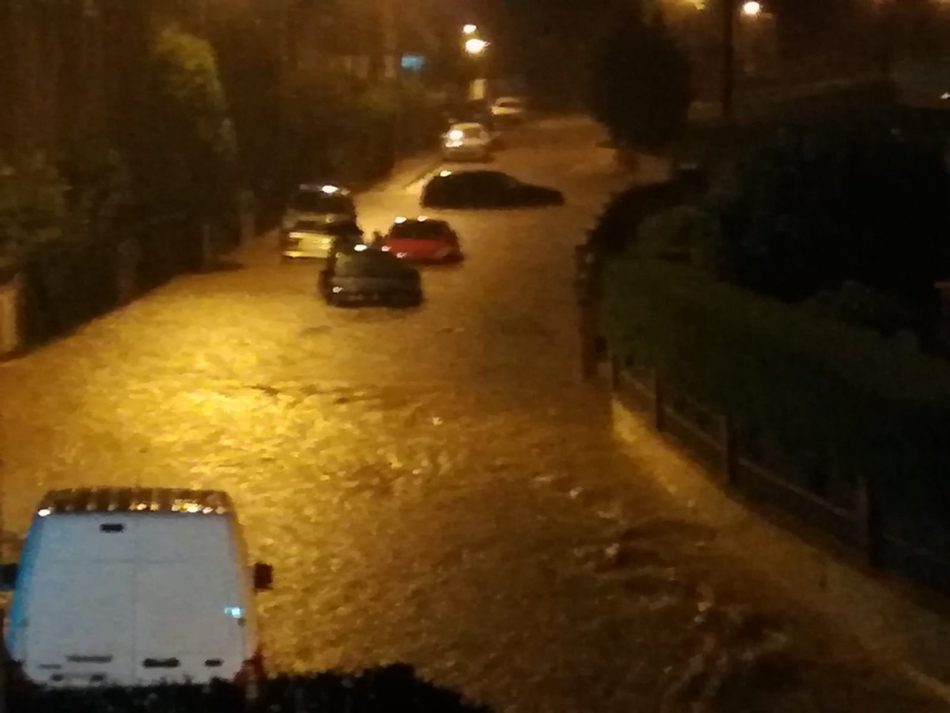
(822,392)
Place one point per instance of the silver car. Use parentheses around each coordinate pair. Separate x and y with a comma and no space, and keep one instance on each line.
(471,141)
(318,240)
(319,203)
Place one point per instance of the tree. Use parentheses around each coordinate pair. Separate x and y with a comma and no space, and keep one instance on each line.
(32,206)
(184,157)
(641,84)
(821,208)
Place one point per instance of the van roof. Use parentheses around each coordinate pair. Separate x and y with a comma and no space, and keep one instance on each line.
(111,500)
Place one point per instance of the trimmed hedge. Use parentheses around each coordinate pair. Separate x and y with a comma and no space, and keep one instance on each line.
(824,397)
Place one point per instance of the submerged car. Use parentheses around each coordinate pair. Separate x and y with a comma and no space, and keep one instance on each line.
(510,110)
(369,277)
(468,141)
(317,240)
(422,240)
(325,203)
(485,189)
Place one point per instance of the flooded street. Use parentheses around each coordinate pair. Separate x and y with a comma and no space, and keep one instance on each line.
(433,486)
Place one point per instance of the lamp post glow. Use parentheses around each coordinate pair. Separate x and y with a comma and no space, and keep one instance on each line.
(752,8)
(475,46)
(470,29)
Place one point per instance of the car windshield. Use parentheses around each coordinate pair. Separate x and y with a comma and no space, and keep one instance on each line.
(343,227)
(320,202)
(494,179)
(370,263)
(472,132)
(309,226)
(420,230)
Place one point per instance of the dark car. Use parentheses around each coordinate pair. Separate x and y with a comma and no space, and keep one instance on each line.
(485,189)
(366,276)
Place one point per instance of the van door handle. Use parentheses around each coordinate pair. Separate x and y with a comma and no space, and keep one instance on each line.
(161,663)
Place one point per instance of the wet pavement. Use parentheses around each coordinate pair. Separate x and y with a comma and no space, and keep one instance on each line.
(433,486)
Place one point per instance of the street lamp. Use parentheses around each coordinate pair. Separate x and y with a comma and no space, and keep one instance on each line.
(475,46)
(470,29)
(752,8)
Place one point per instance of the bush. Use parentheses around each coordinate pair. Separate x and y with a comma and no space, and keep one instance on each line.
(100,189)
(183,154)
(641,84)
(685,234)
(380,690)
(33,206)
(826,396)
(818,209)
(861,306)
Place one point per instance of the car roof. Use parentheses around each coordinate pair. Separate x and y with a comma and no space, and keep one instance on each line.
(419,221)
(118,500)
(319,188)
(364,263)
(468,125)
(477,172)
(520,100)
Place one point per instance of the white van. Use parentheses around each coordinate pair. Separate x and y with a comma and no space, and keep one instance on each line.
(134,587)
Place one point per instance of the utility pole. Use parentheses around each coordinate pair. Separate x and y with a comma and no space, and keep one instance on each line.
(728,82)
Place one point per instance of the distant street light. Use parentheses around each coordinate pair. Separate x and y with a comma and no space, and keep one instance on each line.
(470,29)
(752,8)
(475,46)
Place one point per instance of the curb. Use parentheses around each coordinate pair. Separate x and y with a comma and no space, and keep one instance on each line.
(890,623)
(417,176)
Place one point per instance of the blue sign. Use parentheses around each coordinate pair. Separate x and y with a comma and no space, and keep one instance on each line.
(413,62)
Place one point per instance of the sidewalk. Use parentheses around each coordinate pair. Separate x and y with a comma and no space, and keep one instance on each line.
(892,622)
(406,172)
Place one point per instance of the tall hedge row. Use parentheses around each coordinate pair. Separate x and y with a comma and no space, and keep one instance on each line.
(822,395)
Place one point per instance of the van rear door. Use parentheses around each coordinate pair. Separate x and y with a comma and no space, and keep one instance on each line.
(189,600)
(80,610)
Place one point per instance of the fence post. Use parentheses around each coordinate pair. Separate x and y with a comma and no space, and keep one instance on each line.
(128,254)
(11,315)
(206,237)
(730,451)
(247,217)
(613,363)
(867,521)
(659,407)
(4,682)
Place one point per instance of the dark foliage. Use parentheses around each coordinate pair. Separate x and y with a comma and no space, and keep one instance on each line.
(813,211)
(807,395)
(640,87)
(382,690)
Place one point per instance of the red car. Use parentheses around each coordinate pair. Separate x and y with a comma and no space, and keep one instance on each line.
(422,240)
